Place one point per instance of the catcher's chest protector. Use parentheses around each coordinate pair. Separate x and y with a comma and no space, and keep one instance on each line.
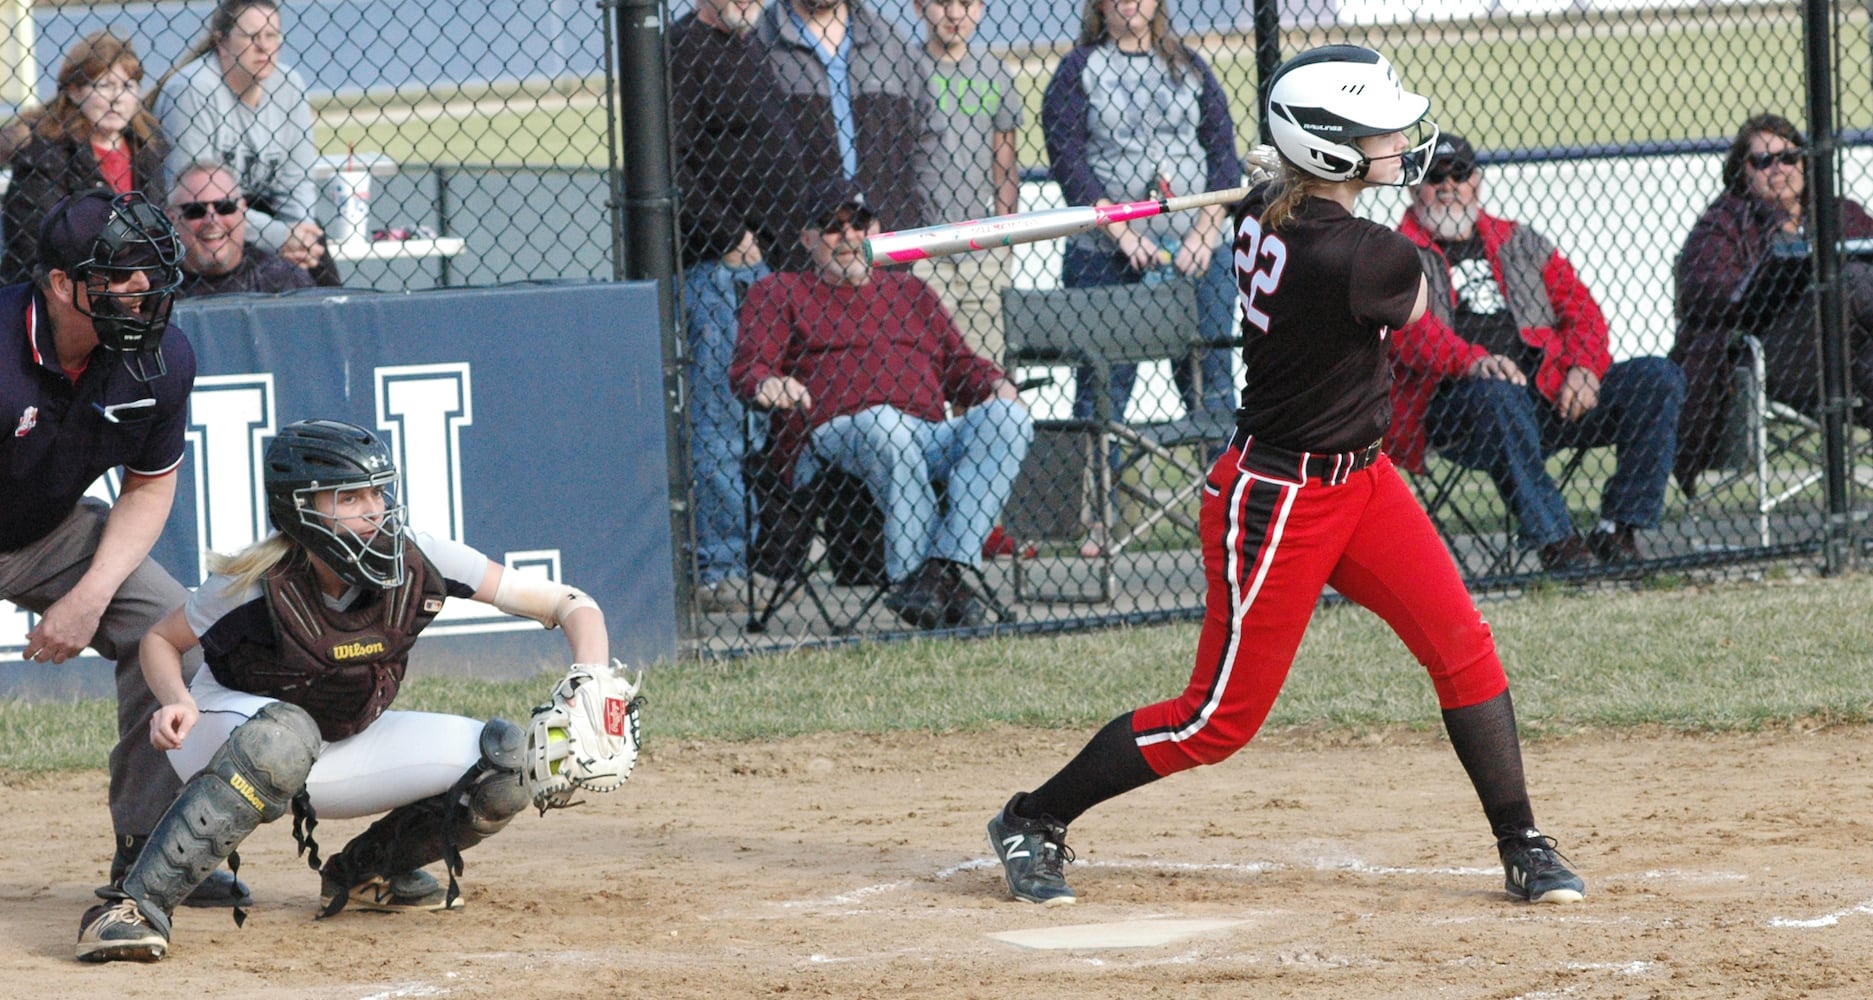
(342,667)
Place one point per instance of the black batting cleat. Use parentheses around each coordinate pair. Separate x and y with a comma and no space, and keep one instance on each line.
(117,931)
(1533,870)
(1033,854)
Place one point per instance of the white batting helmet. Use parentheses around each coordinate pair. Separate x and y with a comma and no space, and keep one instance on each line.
(1323,100)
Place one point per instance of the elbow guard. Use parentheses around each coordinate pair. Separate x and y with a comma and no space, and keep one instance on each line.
(542,600)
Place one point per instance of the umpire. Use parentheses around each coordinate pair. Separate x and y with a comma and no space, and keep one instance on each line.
(93,377)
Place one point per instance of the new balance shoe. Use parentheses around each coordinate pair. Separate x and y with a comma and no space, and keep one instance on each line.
(1033,854)
(413,891)
(116,931)
(1534,870)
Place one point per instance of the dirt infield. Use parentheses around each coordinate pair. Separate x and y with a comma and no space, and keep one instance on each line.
(1731,866)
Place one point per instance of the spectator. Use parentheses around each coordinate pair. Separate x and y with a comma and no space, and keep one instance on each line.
(96,378)
(210,215)
(1511,363)
(858,96)
(738,168)
(1133,113)
(858,366)
(95,133)
(1764,201)
(976,174)
(232,99)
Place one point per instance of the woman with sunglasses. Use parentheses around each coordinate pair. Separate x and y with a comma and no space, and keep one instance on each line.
(94,133)
(231,98)
(1722,291)
(1303,498)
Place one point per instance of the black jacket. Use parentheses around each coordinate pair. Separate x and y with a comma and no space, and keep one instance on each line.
(896,130)
(737,157)
(45,170)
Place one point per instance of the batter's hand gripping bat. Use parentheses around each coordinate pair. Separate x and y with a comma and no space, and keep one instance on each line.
(1027,227)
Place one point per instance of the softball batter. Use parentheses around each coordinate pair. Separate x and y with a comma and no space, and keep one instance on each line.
(1303,498)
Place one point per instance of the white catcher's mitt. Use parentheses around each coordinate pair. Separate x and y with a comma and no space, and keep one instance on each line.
(586,737)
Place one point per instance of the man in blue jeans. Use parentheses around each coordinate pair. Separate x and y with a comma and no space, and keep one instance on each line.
(738,167)
(1510,363)
(865,371)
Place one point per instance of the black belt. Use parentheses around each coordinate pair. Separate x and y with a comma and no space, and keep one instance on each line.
(1331,468)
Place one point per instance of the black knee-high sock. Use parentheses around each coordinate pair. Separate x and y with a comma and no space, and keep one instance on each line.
(1486,742)
(1109,766)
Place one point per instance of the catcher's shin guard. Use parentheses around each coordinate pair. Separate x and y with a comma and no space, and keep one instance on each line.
(481,802)
(249,781)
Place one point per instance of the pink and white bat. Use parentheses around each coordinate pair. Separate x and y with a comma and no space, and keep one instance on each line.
(1026,227)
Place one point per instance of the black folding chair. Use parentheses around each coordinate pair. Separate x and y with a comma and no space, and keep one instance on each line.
(828,528)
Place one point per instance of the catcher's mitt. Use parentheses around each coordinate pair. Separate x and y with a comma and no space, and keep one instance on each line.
(586,737)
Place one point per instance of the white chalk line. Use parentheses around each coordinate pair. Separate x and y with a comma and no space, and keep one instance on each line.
(1825,920)
(1680,875)
(852,896)
(409,990)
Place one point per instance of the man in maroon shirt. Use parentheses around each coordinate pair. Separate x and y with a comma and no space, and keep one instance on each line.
(858,366)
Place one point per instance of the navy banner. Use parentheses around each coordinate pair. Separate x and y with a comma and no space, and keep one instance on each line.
(527,421)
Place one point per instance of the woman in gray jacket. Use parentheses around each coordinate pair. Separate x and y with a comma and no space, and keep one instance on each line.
(231,100)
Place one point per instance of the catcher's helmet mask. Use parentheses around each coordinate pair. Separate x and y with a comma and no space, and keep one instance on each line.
(131,236)
(329,456)
(1323,101)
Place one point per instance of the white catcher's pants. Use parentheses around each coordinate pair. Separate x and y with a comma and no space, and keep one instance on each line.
(399,759)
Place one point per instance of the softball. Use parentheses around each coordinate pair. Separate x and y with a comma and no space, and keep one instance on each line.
(555,735)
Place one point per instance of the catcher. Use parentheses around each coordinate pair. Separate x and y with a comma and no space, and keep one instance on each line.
(305,635)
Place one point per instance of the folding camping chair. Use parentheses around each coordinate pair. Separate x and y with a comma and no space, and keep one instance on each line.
(1068,482)
(836,511)
(1774,447)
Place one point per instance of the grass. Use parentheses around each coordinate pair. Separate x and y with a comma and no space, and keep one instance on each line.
(1510,83)
(1725,657)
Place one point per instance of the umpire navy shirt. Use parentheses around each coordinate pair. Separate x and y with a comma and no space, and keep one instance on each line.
(56,433)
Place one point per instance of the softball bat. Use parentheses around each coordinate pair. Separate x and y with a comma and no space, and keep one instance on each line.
(948,238)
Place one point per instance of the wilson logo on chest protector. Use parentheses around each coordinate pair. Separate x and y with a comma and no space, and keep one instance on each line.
(354,650)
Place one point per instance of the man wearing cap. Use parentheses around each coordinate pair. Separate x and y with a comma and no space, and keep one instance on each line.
(859,366)
(1511,363)
(92,378)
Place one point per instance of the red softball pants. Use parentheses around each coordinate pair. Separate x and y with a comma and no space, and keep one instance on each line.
(1277,528)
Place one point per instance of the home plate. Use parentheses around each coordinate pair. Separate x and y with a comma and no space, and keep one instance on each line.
(1123,934)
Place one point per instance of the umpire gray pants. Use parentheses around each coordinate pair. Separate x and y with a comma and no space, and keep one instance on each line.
(142,782)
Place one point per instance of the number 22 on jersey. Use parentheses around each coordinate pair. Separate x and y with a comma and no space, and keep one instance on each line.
(1259,261)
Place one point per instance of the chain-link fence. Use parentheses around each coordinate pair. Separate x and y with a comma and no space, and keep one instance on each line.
(1017,437)
(1618,373)
(378,145)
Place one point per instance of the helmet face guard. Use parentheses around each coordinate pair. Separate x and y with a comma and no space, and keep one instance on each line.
(1323,101)
(1415,161)
(373,561)
(137,239)
(328,457)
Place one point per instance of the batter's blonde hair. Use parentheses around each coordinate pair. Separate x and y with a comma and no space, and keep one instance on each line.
(1293,187)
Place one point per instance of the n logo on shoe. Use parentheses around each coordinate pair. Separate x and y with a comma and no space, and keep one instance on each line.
(1010,845)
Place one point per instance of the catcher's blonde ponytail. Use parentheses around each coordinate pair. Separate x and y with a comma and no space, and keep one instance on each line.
(251,563)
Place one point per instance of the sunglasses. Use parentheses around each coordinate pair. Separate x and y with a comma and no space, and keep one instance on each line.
(194,210)
(1787,158)
(1438,175)
(831,229)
